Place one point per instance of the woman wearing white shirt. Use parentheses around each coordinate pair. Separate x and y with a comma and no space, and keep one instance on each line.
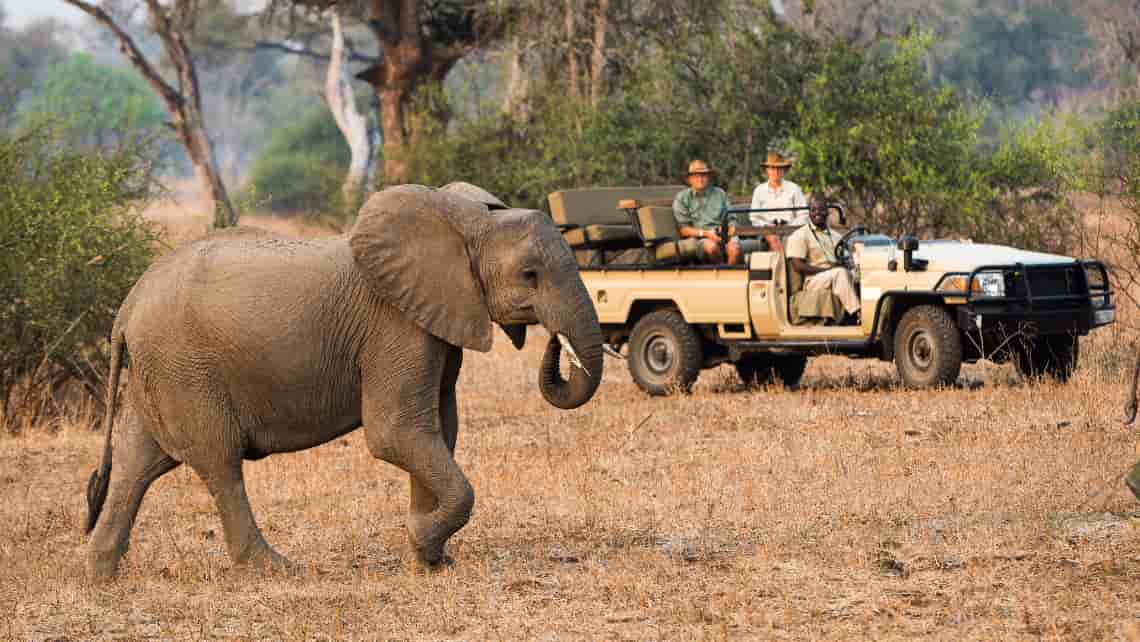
(778,192)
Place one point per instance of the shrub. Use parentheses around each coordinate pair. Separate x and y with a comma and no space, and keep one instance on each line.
(302,167)
(71,246)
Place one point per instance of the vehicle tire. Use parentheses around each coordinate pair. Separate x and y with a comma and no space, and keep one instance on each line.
(665,353)
(1053,355)
(928,347)
(759,369)
(791,368)
(753,369)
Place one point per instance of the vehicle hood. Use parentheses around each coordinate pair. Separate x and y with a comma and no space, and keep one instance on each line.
(957,256)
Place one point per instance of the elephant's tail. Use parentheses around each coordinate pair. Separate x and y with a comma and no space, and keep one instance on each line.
(1130,407)
(100,478)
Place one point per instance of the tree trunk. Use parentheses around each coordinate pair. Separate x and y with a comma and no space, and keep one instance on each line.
(518,82)
(598,58)
(405,60)
(353,125)
(571,51)
(184,104)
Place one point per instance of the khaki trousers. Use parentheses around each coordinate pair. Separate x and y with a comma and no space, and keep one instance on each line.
(839,281)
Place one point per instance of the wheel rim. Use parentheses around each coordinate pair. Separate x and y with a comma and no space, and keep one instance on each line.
(920,350)
(660,354)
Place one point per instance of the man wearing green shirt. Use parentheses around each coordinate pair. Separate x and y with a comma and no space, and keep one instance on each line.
(698,210)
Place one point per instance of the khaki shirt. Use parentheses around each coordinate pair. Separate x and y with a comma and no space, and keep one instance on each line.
(814,245)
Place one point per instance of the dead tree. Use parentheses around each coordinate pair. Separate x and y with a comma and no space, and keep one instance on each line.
(183,100)
(353,124)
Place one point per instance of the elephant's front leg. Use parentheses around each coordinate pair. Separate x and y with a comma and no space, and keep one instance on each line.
(416,429)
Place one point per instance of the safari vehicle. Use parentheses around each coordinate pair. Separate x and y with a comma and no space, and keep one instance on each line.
(929,306)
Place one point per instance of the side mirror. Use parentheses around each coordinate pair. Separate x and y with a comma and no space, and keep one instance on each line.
(909,245)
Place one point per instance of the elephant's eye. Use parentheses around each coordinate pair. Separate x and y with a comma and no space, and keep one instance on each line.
(531,278)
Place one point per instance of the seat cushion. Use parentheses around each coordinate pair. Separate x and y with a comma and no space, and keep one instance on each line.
(602,235)
(690,249)
(657,223)
(599,205)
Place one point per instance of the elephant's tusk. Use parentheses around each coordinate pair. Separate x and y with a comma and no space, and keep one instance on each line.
(570,351)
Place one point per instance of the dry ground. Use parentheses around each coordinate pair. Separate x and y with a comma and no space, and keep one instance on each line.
(850,508)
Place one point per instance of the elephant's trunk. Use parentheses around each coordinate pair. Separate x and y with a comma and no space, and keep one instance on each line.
(1130,406)
(581,338)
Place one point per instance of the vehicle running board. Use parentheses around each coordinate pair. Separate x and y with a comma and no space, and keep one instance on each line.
(805,346)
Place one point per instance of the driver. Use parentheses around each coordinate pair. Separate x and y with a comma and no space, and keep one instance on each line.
(811,250)
(698,210)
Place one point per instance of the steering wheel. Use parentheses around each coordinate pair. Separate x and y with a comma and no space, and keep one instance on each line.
(843,253)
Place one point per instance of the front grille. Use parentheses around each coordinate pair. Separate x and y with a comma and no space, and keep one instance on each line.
(1048,281)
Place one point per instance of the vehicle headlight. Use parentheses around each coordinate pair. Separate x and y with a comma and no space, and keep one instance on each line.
(985,283)
(990,283)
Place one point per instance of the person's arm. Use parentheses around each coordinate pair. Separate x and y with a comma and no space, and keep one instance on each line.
(805,268)
(758,218)
(725,214)
(684,219)
(797,252)
(688,231)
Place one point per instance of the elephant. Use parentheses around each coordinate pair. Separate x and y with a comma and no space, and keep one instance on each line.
(1132,478)
(244,344)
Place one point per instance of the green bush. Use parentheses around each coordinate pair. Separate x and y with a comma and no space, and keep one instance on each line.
(94,105)
(1026,181)
(302,167)
(72,242)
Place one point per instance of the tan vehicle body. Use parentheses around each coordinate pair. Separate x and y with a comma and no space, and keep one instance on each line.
(671,316)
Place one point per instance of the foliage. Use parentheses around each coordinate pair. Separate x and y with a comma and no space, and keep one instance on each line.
(1118,176)
(71,246)
(868,127)
(722,98)
(24,54)
(94,105)
(1028,179)
(876,134)
(1009,58)
(302,166)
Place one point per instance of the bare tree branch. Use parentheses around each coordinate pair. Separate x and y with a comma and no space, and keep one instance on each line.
(130,50)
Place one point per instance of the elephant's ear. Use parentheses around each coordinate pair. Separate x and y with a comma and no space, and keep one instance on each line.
(411,243)
(475,193)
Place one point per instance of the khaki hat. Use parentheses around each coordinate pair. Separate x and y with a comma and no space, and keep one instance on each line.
(776,160)
(699,167)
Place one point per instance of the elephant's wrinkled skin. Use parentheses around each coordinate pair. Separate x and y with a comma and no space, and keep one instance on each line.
(245,344)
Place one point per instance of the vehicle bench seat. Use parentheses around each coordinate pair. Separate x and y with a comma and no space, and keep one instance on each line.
(590,217)
(660,231)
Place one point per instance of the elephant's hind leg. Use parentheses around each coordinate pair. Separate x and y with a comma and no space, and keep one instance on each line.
(138,461)
(246,544)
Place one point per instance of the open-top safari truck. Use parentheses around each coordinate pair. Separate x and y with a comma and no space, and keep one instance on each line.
(927,306)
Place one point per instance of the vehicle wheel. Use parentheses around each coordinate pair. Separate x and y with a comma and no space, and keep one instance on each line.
(664,353)
(759,369)
(1053,355)
(928,347)
(791,368)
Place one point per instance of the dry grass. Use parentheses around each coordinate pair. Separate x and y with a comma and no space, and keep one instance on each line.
(848,509)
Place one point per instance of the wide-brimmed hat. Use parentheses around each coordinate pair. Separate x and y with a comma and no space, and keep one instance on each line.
(699,167)
(775,159)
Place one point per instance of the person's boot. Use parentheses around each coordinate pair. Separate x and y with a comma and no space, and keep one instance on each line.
(1132,480)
